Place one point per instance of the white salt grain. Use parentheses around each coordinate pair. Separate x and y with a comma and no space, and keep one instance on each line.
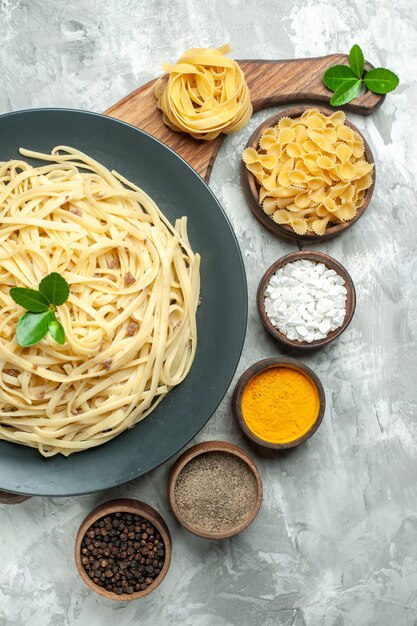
(306,300)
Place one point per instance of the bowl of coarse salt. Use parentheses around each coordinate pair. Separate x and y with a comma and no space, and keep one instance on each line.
(306,299)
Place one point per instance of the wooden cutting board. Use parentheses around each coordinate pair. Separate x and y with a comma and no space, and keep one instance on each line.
(270,83)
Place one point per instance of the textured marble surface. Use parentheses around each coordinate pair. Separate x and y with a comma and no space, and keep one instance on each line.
(335,543)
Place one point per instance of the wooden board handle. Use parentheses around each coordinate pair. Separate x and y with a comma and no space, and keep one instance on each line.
(270,83)
(11,498)
(300,80)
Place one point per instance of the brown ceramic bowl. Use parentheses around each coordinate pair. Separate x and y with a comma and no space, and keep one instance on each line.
(255,369)
(136,507)
(205,448)
(250,185)
(331,263)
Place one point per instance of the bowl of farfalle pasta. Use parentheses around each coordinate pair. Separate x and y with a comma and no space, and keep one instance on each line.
(308,173)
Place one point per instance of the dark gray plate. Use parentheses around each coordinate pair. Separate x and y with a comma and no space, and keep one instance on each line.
(178,191)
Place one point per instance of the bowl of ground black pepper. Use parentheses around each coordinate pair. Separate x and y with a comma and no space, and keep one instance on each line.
(215,490)
(123,549)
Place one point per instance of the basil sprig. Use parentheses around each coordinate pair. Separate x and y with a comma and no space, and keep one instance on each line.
(41,305)
(346,80)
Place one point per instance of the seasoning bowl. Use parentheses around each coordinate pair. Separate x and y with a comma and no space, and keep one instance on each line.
(330,263)
(132,507)
(205,455)
(251,373)
(250,185)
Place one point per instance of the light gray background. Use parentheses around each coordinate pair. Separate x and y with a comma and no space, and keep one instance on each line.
(335,543)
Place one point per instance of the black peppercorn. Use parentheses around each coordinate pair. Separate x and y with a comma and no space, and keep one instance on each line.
(118,549)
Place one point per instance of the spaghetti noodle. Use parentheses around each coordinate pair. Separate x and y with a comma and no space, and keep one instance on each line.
(130,319)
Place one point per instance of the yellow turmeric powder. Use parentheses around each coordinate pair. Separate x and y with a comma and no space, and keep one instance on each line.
(280,404)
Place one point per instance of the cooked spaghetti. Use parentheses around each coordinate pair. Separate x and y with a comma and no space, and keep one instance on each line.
(130,319)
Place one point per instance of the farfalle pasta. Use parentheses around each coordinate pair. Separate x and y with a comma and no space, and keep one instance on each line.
(311,171)
(204,94)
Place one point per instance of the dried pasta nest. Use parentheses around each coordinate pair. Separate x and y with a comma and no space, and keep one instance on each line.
(311,171)
(204,94)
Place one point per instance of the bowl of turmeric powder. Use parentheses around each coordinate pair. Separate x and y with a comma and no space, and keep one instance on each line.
(279,403)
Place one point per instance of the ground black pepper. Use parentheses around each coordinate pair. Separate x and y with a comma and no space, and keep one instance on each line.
(123,553)
(215,492)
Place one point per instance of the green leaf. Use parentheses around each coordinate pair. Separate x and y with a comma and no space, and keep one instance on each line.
(30,299)
(345,93)
(32,327)
(55,288)
(356,60)
(57,331)
(381,80)
(337,75)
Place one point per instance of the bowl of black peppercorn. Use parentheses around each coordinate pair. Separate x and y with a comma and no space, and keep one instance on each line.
(123,549)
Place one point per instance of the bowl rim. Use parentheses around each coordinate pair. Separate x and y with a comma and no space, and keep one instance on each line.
(261,366)
(124,505)
(206,447)
(250,185)
(331,263)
